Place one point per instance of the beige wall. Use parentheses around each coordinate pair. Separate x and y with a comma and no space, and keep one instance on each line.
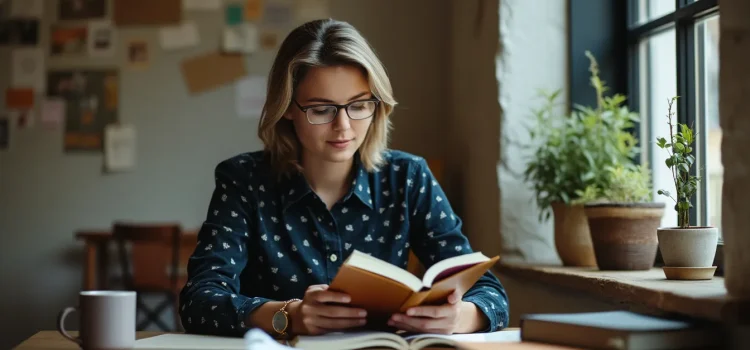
(45,195)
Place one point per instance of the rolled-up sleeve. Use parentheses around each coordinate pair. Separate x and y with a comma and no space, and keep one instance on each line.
(210,301)
(436,235)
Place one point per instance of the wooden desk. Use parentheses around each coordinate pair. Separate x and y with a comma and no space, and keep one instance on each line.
(96,261)
(53,340)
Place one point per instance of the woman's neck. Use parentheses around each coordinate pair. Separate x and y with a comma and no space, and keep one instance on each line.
(329,180)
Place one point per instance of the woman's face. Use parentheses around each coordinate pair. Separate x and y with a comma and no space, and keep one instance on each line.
(338,140)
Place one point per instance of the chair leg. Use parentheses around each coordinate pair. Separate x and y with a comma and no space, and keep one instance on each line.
(152,316)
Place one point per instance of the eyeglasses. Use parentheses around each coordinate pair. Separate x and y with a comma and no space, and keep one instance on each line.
(326,113)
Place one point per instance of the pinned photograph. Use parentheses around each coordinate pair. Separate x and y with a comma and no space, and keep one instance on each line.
(73,10)
(68,40)
(19,32)
(138,56)
(101,40)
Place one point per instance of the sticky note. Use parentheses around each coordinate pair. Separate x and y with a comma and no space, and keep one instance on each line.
(19,98)
(234,13)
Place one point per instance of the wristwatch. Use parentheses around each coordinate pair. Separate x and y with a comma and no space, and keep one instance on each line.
(280,321)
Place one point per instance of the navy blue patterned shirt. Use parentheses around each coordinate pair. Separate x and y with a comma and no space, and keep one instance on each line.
(267,238)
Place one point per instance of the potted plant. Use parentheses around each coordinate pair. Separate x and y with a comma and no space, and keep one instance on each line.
(688,251)
(571,153)
(623,219)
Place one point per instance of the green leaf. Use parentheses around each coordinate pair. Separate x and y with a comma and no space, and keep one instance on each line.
(661,142)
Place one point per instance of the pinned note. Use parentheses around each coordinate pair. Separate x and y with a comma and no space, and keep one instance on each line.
(101,39)
(19,98)
(52,114)
(233,15)
(211,70)
(24,118)
(253,9)
(250,96)
(278,15)
(119,147)
(179,37)
(28,68)
(241,38)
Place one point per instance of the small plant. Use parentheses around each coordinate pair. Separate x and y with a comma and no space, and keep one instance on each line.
(679,162)
(572,152)
(626,184)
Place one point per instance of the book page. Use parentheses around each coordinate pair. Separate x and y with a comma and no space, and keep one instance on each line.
(189,342)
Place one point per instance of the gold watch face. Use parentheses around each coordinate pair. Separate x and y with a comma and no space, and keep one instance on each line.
(280,321)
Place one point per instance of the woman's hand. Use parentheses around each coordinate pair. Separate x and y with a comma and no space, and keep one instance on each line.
(321,311)
(456,316)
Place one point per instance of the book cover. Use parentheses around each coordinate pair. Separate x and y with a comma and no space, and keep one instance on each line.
(383,289)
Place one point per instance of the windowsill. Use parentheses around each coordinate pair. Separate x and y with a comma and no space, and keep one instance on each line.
(648,291)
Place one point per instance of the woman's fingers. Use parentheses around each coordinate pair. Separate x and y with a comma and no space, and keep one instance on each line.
(333,323)
(333,311)
(325,296)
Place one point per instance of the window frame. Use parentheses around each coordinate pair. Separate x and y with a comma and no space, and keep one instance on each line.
(683,20)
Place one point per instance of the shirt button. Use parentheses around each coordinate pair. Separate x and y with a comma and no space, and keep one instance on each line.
(334,257)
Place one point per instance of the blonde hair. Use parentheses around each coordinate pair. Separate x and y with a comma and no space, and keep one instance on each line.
(321,43)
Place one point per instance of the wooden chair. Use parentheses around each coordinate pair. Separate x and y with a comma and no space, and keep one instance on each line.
(151,267)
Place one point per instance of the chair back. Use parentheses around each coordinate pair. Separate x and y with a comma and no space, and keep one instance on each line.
(153,261)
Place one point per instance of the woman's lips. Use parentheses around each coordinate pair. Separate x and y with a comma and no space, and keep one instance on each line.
(340,144)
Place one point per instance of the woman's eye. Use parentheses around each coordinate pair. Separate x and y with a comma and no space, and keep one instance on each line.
(321,110)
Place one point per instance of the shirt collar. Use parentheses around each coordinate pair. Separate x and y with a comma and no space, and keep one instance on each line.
(360,183)
(295,187)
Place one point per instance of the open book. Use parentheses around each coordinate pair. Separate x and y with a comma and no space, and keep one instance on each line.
(383,289)
(361,340)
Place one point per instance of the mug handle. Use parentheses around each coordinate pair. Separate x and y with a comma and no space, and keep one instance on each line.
(61,324)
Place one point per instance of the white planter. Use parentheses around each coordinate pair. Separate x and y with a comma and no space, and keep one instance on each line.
(688,247)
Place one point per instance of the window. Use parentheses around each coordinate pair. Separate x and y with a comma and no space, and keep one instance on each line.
(674,52)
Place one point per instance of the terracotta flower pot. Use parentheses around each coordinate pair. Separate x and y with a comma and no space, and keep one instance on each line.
(572,238)
(624,235)
(688,247)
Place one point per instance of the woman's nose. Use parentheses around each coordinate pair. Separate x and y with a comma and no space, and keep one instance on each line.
(341,122)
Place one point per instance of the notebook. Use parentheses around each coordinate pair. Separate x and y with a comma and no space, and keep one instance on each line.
(384,289)
(387,340)
(616,330)
(257,339)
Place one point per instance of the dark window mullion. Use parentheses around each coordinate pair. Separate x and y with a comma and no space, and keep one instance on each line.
(686,111)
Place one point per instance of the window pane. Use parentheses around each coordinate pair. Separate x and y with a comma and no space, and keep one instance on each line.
(658,85)
(707,35)
(652,9)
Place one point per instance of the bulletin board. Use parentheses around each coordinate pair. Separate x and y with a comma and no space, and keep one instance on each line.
(103,70)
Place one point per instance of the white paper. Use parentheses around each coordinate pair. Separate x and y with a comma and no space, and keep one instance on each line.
(24,119)
(52,112)
(308,10)
(102,38)
(119,147)
(179,37)
(250,96)
(27,8)
(241,38)
(190,342)
(201,5)
(27,69)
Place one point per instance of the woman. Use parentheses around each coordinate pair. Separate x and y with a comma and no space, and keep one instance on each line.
(281,221)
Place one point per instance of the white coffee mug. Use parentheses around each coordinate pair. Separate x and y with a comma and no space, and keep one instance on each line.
(107,320)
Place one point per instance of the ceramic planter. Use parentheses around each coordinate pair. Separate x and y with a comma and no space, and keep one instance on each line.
(624,234)
(572,237)
(688,247)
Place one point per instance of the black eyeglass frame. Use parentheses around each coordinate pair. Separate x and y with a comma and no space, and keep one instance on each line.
(338,108)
